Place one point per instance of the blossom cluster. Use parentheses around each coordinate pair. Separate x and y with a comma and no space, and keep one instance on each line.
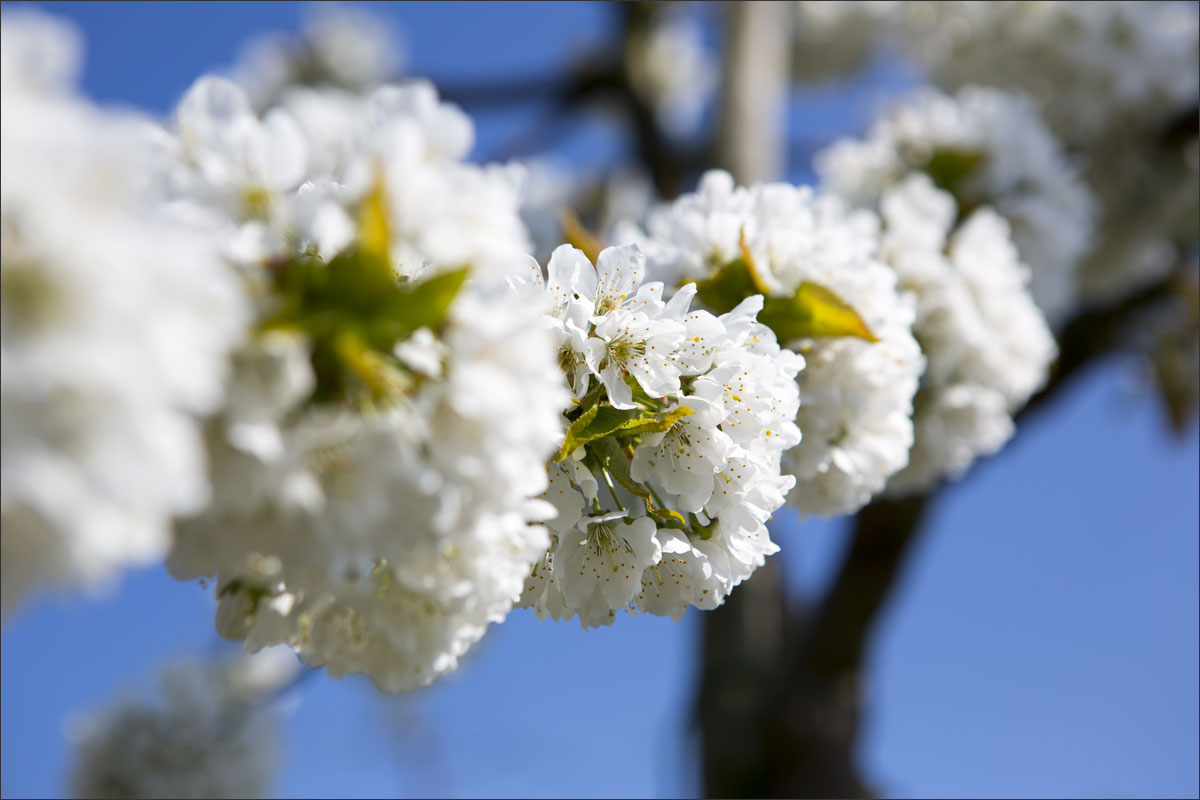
(1093,66)
(118,318)
(1116,82)
(987,346)
(857,387)
(985,147)
(670,466)
(293,341)
(387,425)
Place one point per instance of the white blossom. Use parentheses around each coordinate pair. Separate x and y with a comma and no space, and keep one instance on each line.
(674,70)
(339,47)
(835,38)
(987,344)
(987,147)
(1113,80)
(1091,65)
(376,482)
(118,317)
(699,408)
(856,395)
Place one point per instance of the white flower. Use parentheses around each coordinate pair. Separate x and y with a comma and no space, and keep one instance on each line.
(682,577)
(987,345)
(1091,65)
(855,395)
(685,458)
(675,72)
(630,343)
(398,534)
(118,318)
(600,564)
(1111,79)
(835,38)
(694,455)
(377,479)
(236,161)
(987,147)
(339,46)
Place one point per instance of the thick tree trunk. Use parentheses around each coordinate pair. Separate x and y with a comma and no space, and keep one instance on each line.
(781,694)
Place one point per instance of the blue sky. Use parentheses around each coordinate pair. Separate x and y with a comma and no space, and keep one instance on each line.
(1044,641)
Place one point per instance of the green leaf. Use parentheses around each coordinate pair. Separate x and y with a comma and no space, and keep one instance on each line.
(357,282)
(729,285)
(949,168)
(425,304)
(603,420)
(660,422)
(596,422)
(813,311)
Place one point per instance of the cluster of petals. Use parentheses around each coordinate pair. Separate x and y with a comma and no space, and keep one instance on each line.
(677,517)
(856,395)
(987,147)
(380,538)
(987,345)
(1091,64)
(118,319)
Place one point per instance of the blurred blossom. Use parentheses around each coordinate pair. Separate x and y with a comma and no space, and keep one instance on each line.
(835,38)
(118,317)
(1114,81)
(674,70)
(986,343)
(212,734)
(985,147)
(339,47)
(1093,66)
(373,476)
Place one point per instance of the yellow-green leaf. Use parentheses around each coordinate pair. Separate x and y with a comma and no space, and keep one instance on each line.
(729,285)
(660,422)
(948,168)
(373,234)
(596,422)
(603,420)
(579,236)
(813,311)
(425,304)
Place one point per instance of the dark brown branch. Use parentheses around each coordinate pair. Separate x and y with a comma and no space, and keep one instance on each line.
(551,88)
(1093,335)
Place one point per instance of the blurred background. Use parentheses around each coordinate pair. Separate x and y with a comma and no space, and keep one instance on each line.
(1040,640)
